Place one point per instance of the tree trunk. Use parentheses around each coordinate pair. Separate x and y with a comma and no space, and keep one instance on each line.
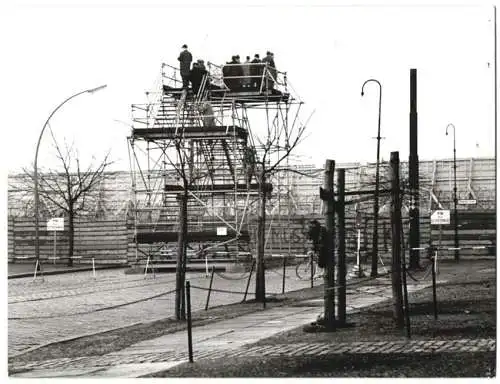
(71,235)
(260,281)
(181,255)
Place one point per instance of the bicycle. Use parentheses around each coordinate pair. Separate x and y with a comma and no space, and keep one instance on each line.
(303,269)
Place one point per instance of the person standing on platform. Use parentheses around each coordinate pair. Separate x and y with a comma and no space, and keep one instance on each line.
(247,80)
(271,67)
(197,74)
(256,71)
(185,58)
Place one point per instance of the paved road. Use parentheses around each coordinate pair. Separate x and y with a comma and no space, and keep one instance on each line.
(71,305)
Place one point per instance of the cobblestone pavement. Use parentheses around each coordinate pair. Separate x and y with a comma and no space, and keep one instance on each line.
(225,338)
(76,304)
(274,350)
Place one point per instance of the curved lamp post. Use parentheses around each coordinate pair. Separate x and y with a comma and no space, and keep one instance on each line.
(374,271)
(455,213)
(35,173)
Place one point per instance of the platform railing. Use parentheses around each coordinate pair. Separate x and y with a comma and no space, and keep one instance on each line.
(247,77)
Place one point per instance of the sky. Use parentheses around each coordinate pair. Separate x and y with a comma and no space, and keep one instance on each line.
(56,50)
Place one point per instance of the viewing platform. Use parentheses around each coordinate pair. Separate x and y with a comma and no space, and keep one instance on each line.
(191,132)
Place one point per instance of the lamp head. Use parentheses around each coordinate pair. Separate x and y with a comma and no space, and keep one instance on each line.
(97,89)
(362,93)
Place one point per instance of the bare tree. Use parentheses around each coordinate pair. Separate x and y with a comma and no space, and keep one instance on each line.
(69,190)
(271,151)
(188,175)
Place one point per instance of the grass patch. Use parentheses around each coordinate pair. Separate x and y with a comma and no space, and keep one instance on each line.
(477,364)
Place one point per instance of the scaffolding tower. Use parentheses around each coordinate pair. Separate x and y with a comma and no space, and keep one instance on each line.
(199,141)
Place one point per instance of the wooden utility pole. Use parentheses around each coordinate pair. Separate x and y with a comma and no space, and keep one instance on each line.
(413,174)
(326,194)
(342,264)
(397,294)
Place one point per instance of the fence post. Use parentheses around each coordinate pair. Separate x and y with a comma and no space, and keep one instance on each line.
(210,288)
(189,325)
(434,294)
(284,274)
(311,262)
(341,252)
(397,298)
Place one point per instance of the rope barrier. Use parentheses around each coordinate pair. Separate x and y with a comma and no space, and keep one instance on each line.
(93,311)
(93,289)
(453,248)
(218,290)
(231,278)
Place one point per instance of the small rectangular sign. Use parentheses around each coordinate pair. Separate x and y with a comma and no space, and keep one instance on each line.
(441,217)
(55,224)
(467,202)
(221,231)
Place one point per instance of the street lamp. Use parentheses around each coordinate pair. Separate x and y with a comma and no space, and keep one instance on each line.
(35,174)
(455,213)
(375,206)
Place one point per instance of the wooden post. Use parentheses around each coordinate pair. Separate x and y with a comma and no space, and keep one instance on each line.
(326,195)
(248,281)
(342,262)
(397,296)
(189,325)
(434,294)
(284,274)
(210,288)
(311,263)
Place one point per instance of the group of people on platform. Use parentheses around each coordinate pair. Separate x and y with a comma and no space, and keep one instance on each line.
(248,76)
(237,76)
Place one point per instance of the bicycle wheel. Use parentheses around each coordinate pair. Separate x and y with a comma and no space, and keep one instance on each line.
(303,270)
(423,272)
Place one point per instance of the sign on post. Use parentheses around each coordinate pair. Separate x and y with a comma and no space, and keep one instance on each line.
(441,217)
(55,224)
(221,231)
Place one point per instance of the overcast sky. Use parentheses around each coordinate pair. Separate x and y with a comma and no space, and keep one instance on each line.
(55,51)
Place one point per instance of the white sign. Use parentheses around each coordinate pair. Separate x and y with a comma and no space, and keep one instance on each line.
(467,202)
(440,217)
(55,224)
(221,231)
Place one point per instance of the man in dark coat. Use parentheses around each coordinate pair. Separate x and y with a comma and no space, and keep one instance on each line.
(256,71)
(185,58)
(197,74)
(269,59)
